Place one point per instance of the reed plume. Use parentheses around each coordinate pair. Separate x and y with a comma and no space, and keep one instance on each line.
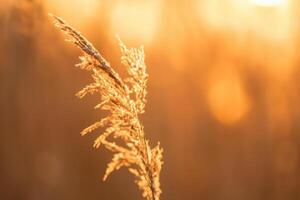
(125,100)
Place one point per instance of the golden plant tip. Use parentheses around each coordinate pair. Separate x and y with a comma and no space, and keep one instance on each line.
(125,100)
(82,133)
(104,178)
(56,18)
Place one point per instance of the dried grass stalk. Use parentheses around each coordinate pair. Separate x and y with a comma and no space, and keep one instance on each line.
(125,100)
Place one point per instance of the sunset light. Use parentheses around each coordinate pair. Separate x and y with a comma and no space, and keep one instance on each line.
(214,83)
(267,3)
(135,21)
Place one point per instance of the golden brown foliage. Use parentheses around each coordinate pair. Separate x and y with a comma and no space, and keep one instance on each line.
(125,100)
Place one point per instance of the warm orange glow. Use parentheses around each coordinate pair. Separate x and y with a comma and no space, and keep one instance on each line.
(231,14)
(135,20)
(271,22)
(224,93)
(80,11)
(227,98)
(267,3)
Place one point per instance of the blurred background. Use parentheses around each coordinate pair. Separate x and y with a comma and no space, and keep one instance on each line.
(223,98)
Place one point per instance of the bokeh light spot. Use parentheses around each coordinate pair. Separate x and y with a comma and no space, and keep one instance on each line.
(227,98)
(135,21)
(70,9)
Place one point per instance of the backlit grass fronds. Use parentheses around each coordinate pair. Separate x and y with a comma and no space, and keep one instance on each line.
(125,100)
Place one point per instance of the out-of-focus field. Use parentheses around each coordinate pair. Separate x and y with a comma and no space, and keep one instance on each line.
(223,98)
